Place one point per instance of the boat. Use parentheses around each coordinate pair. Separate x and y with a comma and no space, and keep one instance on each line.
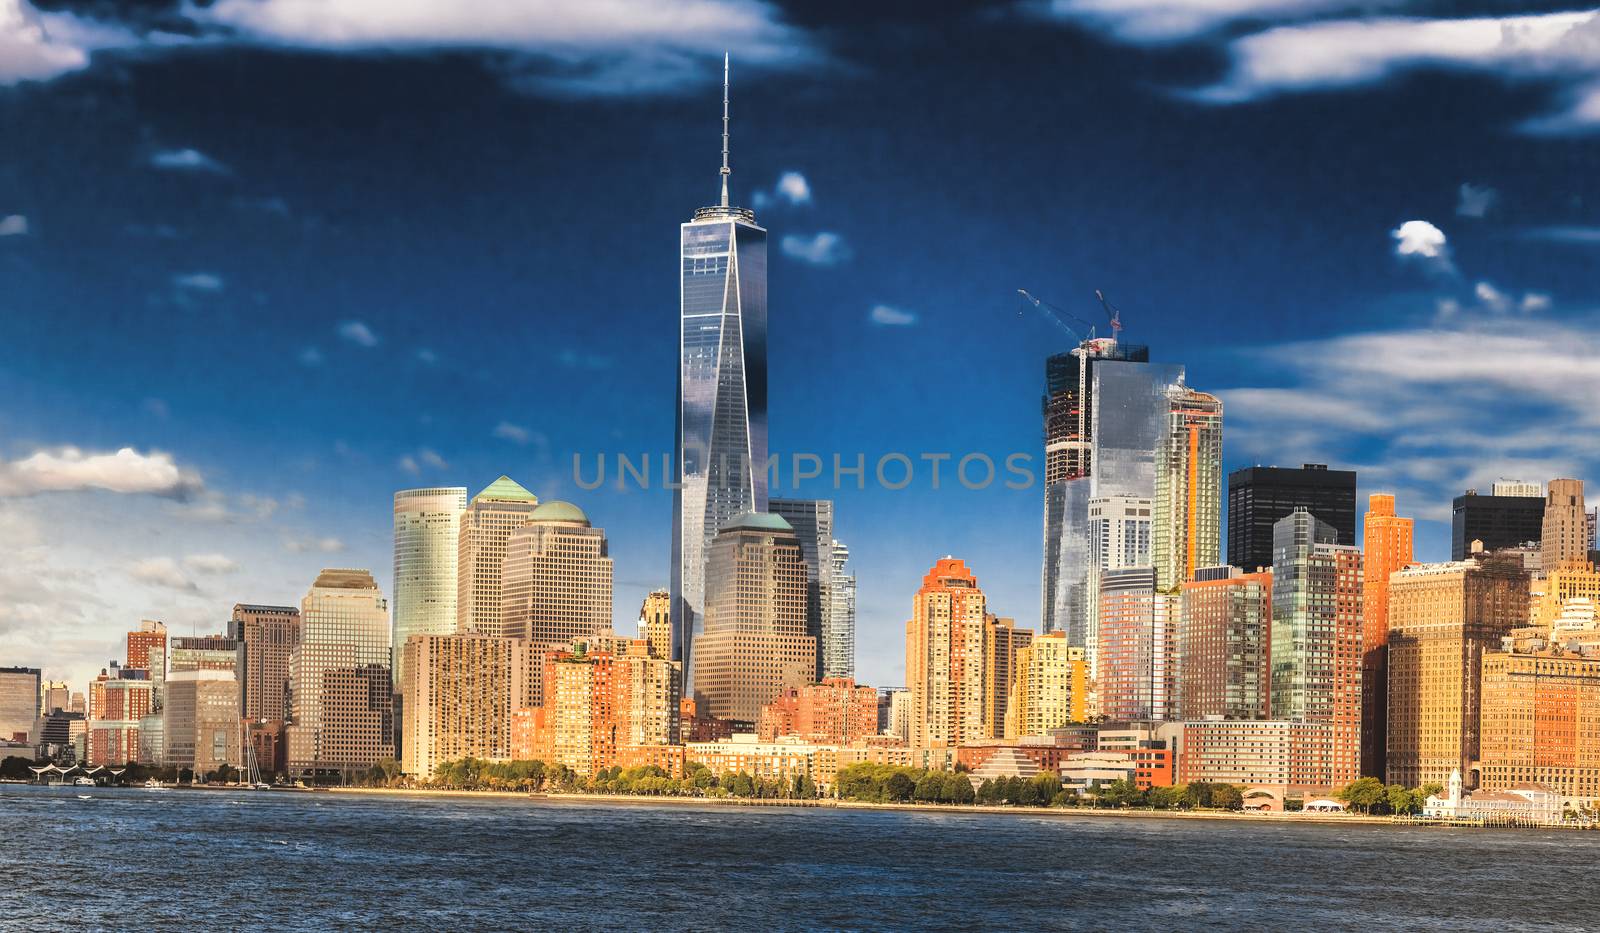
(85,797)
(84,782)
(153,784)
(254,769)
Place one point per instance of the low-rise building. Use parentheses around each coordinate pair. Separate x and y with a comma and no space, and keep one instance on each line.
(1289,757)
(781,760)
(1087,773)
(1529,803)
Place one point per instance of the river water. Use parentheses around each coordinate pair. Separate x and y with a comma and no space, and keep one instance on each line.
(137,859)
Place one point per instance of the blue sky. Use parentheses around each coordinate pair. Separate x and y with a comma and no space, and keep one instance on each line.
(295,256)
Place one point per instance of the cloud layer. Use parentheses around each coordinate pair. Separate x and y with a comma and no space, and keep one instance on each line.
(69,469)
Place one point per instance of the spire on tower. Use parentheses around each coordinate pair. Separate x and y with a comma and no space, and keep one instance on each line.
(725,170)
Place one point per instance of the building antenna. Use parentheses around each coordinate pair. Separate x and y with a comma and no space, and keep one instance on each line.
(725,170)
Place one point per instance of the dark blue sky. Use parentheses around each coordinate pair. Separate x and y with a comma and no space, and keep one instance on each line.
(301,271)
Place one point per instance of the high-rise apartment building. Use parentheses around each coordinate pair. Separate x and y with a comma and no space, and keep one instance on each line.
(836,711)
(1565,535)
(341,695)
(1513,515)
(19,703)
(648,693)
(54,695)
(456,700)
(655,623)
(493,514)
(1540,719)
(755,642)
(266,636)
(118,699)
(427,535)
(1225,645)
(149,635)
(1186,530)
(200,727)
(556,584)
(602,695)
(1136,677)
(1003,644)
(203,653)
(1386,540)
(812,521)
(1260,497)
(721,443)
(1050,689)
(1442,619)
(839,640)
(1316,636)
(945,665)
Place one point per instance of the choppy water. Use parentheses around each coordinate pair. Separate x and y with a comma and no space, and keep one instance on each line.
(136,859)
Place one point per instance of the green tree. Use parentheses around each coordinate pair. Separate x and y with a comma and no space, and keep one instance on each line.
(1227,797)
(899,786)
(1363,794)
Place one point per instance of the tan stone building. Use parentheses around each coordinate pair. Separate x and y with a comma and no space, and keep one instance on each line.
(1566,525)
(755,642)
(1050,689)
(491,516)
(947,669)
(601,695)
(266,636)
(341,699)
(655,622)
(201,726)
(1541,723)
(456,700)
(834,711)
(556,582)
(1003,644)
(1442,619)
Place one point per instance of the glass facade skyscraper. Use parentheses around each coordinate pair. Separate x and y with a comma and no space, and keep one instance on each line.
(721,445)
(427,532)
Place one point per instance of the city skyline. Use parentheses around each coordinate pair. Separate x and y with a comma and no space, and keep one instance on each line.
(244,481)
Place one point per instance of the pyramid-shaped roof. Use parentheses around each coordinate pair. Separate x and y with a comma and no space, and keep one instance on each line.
(506,489)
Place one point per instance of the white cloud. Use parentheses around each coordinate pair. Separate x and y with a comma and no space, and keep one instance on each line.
(793,187)
(408,463)
(885,316)
(320,545)
(515,433)
(427,356)
(310,356)
(1164,21)
(1492,298)
(186,160)
(819,249)
(1473,201)
(1577,236)
(156,408)
(198,281)
(432,459)
(358,333)
(161,571)
(69,469)
(211,563)
(1534,302)
(36,46)
(1421,241)
(13,225)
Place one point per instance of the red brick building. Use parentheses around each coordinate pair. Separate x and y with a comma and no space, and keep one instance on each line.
(835,711)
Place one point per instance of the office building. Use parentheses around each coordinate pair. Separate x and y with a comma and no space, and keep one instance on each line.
(493,514)
(836,711)
(1565,535)
(601,696)
(339,679)
(1225,645)
(812,521)
(54,695)
(427,535)
(556,585)
(19,703)
(1386,539)
(1186,527)
(1137,676)
(946,668)
(118,699)
(266,636)
(839,640)
(655,623)
(1281,757)
(1316,635)
(1442,619)
(1512,516)
(201,730)
(755,641)
(456,700)
(203,653)
(1260,497)
(1002,644)
(1540,722)
(150,635)
(1050,688)
(721,417)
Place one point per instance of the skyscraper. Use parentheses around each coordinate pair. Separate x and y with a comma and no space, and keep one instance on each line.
(1260,497)
(945,663)
(839,640)
(1565,535)
(755,641)
(427,532)
(655,623)
(1316,636)
(19,703)
(1443,618)
(149,635)
(266,636)
(1386,539)
(1186,527)
(812,521)
(1225,645)
(1002,650)
(200,720)
(340,689)
(1050,688)
(493,514)
(457,699)
(1137,647)
(556,585)
(721,417)
(1512,516)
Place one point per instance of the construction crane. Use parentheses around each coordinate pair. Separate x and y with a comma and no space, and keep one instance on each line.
(1112,314)
(1055,313)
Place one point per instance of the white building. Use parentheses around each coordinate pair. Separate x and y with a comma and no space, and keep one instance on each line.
(427,542)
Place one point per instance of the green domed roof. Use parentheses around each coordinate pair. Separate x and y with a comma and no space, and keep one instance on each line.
(758,521)
(556,510)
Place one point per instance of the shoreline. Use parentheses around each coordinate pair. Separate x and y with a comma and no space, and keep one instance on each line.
(830,804)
